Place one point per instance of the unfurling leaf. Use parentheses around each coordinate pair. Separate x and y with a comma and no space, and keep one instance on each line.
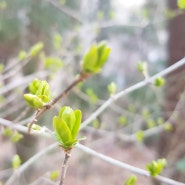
(39,94)
(156,167)
(66,126)
(95,58)
(131,180)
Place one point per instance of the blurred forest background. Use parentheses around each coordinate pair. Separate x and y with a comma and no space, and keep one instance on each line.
(136,30)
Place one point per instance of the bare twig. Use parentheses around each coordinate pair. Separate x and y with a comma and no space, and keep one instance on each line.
(29,162)
(23,81)
(65,10)
(139,85)
(126,166)
(64,167)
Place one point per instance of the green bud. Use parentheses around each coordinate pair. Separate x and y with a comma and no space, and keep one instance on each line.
(95,58)
(156,167)
(93,97)
(53,63)
(181,4)
(16,162)
(54,175)
(142,67)
(34,50)
(131,180)
(16,137)
(112,88)
(7,132)
(122,120)
(22,55)
(151,123)
(66,126)
(39,94)
(168,127)
(159,82)
(33,101)
(1,68)
(140,136)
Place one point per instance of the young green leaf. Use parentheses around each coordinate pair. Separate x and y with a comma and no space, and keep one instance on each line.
(159,82)
(131,180)
(34,50)
(181,4)
(54,175)
(16,162)
(66,126)
(156,167)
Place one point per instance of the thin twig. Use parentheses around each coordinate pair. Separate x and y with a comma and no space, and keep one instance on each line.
(29,162)
(126,166)
(64,167)
(65,10)
(48,106)
(143,83)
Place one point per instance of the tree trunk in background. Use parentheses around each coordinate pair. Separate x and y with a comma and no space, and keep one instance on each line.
(171,144)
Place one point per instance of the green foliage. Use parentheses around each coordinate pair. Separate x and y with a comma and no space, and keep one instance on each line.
(156,167)
(95,58)
(53,63)
(131,180)
(22,55)
(151,123)
(16,162)
(66,126)
(54,175)
(140,135)
(142,67)
(159,82)
(39,94)
(93,97)
(7,132)
(122,120)
(3,5)
(181,4)
(34,50)
(145,113)
(16,137)
(36,127)
(1,68)
(168,127)
(112,88)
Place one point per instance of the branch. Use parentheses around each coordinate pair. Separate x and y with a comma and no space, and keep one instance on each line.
(126,166)
(64,167)
(29,162)
(143,83)
(48,106)
(23,81)
(65,10)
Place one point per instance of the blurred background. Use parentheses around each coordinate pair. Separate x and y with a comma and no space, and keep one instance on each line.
(137,31)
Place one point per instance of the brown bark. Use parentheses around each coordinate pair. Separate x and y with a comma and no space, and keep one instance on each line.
(172,143)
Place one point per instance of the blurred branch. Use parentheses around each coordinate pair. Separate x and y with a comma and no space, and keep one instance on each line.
(23,81)
(126,166)
(139,85)
(65,10)
(29,162)
(14,68)
(105,158)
